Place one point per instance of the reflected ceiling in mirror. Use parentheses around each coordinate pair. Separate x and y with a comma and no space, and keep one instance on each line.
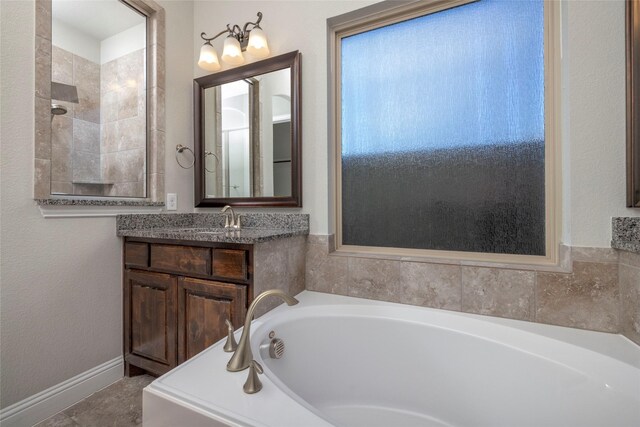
(248,135)
(99,99)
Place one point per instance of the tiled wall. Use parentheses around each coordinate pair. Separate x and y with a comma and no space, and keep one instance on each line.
(278,264)
(98,147)
(75,137)
(602,284)
(629,275)
(123,110)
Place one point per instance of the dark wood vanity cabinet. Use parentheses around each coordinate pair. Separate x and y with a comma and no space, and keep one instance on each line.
(150,302)
(177,298)
(203,307)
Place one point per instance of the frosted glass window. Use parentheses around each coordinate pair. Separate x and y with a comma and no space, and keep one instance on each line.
(442,131)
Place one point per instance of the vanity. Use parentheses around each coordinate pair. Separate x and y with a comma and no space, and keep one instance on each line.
(184,275)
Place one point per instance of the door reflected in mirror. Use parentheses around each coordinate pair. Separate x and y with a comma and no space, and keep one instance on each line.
(99,99)
(248,135)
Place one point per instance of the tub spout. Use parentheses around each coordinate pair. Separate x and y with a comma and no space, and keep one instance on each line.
(243,356)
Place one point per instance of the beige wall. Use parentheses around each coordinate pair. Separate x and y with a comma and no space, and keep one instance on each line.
(179,98)
(60,300)
(594,62)
(61,297)
(629,273)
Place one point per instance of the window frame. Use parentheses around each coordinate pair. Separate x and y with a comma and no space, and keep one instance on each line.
(391,12)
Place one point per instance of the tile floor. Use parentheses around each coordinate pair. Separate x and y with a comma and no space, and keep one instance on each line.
(119,405)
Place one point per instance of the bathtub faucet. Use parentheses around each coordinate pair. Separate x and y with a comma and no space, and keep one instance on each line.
(243,356)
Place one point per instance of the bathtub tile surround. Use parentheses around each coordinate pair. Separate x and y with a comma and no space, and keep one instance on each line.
(432,285)
(324,273)
(598,285)
(278,264)
(497,292)
(374,278)
(587,298)
(629,276)
(625,235)
(631,259)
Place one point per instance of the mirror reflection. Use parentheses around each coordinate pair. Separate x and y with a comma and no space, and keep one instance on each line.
(247,134)
(98,91)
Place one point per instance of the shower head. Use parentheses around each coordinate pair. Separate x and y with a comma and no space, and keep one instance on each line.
(58,110)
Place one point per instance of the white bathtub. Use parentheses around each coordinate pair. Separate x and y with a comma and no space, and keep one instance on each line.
(353,362)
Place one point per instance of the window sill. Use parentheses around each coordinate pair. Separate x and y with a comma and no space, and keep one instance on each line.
(95,207)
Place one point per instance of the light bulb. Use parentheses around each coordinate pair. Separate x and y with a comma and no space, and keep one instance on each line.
(258,46)
(232,53)
(208,58)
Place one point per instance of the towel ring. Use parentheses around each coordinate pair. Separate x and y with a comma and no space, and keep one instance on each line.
(209,153)
(179,149)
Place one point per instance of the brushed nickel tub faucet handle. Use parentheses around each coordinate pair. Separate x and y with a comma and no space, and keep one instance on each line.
(231,343)
(253,383)
(243,356)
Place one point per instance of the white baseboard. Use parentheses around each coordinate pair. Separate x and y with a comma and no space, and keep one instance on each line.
(49,402)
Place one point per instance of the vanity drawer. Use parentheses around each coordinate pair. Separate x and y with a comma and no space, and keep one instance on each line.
(136,254)
(230,263)
(181,259)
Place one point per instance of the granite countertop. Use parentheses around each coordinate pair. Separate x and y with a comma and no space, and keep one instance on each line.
(625,234)
(245,235)
(96,202)
(209,227)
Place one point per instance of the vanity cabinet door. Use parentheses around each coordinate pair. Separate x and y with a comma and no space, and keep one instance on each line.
(203,307)
(150,320)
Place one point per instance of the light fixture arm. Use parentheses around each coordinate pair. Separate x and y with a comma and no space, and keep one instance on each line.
(255,24)
(238,39)
(241,34)
(208,40)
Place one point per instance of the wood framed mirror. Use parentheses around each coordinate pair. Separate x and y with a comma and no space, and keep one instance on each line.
(248,140)
(633,103)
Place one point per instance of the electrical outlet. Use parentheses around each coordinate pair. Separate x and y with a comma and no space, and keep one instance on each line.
(172,201)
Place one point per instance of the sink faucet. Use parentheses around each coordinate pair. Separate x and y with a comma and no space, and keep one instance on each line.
(235,221)
(243,356)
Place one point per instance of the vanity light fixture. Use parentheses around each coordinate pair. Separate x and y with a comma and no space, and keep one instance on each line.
(253,40)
